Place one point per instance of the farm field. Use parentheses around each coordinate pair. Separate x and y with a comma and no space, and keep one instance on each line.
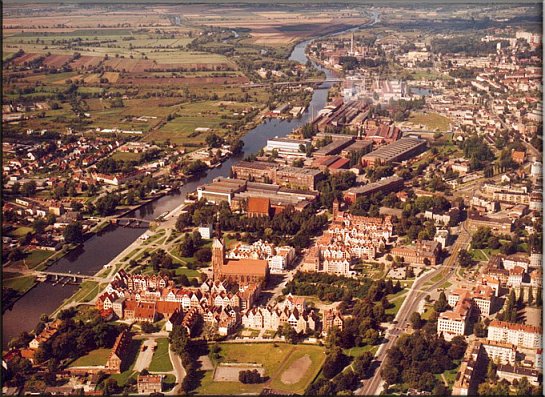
(290,368)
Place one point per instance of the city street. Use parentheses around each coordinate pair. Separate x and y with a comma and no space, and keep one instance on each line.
(415,295)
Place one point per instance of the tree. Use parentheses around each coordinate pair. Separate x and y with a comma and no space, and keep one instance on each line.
(203,254)
(362,364)
(250,376)
(530,296)
(183,221)
(39,225)
(289,333)
(441,304)
(16,188)
(524,388)
(481,237)
(389,373)
(148,328)
(178,339)
(334,363)
(187,248)
(29,188)
(106,205)
(73,233)
(479,329)
(464,258)
(110,387)
(416,320)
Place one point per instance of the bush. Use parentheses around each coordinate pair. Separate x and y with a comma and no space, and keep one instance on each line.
(250,376)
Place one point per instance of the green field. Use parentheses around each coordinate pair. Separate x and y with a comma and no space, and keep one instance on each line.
(188,272)
(275,358)
(36,257)
(87,291)
(161,360)
(483,255)
(20,284)
(93,358)
(20,231)
(126,156)
(431,121)
(358,351)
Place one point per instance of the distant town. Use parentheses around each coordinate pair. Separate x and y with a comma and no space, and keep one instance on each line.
(339,200)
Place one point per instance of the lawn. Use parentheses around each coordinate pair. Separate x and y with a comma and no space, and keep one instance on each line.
(36,257)
(21,231)
(276,358)
(397,301)
(87,291)
(126,156)
(93,358)
(20,284)
(427,314)
(483,255)
(432,121)
(358,351)
(161,360)
(190,273)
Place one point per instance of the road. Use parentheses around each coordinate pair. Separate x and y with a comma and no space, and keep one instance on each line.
(415,295)
(180,372)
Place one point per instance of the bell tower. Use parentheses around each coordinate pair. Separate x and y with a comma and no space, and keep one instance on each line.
(218,251)
(336,208)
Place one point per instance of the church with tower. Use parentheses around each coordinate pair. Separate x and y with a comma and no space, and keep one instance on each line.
(236,270)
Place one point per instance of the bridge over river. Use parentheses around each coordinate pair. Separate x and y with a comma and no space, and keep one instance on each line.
(72,277)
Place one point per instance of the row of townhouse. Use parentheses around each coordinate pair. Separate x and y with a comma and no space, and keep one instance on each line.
(278,258)
(347,238)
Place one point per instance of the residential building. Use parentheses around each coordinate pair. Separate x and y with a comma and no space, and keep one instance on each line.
(118,353)
(511,372)
(423,252)
(148,384)
(455,322)
(520,335)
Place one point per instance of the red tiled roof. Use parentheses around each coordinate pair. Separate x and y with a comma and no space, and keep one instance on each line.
(245,266)
(259,205)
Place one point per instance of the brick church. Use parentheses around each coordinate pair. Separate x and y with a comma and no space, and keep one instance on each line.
(236,270)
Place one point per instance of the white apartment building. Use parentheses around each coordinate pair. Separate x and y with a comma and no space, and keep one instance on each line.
(520,335)
(455,322)
(511,261)
(482,296)
(505,353)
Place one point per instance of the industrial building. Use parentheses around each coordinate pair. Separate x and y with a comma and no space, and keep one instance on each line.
(386,185)
(397,151)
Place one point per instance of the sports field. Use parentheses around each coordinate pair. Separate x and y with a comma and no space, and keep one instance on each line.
(290,368)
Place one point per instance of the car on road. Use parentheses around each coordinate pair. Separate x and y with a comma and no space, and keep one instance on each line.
(144,348)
